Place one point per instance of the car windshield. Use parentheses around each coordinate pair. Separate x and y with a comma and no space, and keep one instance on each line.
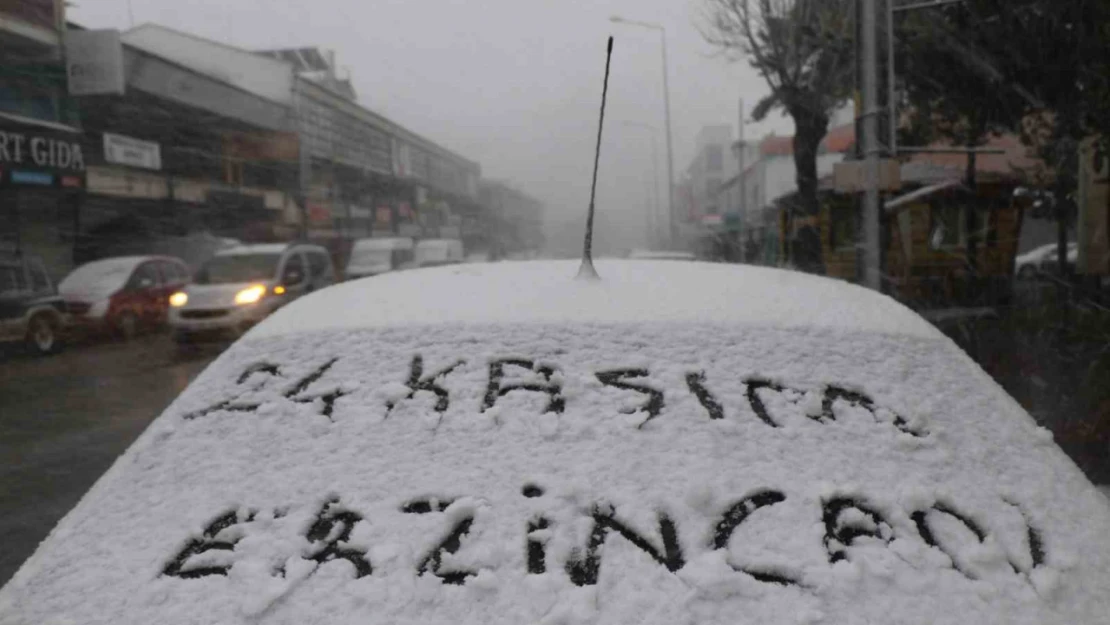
(236,268)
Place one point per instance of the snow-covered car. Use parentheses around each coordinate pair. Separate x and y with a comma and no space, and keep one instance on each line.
(504,443)
(436,252)
(369,257)
(240,286)
(124,294)
(1041,260)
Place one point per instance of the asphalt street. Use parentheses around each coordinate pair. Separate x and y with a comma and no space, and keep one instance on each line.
(64,419)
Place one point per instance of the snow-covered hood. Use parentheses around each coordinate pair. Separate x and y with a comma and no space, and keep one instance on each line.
(216,295)
(641,472)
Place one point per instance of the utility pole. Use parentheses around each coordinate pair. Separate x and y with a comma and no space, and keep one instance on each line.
(742,206)
(871,253)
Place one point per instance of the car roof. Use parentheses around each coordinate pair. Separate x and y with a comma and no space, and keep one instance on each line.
(628,292)
(799,451)
(255,248)
(384,243)
(128,261)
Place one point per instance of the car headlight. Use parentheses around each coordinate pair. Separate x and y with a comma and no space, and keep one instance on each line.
(179,299)
(250,295)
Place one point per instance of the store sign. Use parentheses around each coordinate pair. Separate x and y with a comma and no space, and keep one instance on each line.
(133,152)
(32,177)
(26,149)
(94,62)
(42,13)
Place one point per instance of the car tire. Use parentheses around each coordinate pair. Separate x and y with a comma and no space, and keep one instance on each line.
(42,335)
(127,326)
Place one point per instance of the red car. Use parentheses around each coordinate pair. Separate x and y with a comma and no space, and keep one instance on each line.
(123,295)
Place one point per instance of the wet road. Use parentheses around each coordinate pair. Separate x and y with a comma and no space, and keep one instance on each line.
(64,420)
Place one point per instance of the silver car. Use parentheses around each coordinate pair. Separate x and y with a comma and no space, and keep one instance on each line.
(241,286)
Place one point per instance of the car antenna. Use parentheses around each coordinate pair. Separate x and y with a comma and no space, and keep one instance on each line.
(587,271)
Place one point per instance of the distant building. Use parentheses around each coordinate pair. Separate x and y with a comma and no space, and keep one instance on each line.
(514,221)
(713,164)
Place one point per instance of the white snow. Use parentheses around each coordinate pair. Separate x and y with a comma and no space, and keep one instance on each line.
(100,278)
(629,292)
(255,248)
(912,426)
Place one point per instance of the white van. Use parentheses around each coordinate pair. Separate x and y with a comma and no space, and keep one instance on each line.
(433,252)
(369,257)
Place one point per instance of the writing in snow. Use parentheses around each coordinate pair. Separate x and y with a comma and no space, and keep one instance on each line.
(849,522)
(505,377)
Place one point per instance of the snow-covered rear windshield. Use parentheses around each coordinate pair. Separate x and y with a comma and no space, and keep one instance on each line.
(233,268)
(627,473)
(104,275)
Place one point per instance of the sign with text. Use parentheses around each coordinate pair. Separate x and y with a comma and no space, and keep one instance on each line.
(124,150)
(94,62)
(43,150)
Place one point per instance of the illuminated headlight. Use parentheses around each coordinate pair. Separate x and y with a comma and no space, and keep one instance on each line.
(179,299)
(250,295)
(100,308)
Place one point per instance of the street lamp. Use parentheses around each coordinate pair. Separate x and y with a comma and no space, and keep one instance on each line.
(655,235)
(667,117)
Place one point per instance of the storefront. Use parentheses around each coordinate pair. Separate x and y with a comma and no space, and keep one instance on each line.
(42,184)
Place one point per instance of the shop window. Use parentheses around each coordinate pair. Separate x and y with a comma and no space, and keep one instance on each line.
(946,225)
(843,227)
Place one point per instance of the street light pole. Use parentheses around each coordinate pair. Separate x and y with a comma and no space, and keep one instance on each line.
(655,234)
(672,233)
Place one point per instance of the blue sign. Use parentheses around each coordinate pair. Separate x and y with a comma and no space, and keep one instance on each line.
(32,177)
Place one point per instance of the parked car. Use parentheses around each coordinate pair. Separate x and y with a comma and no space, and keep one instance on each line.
(124,295)
(435,252)
(503,443)
(369,257)
(240,286)
(31,311)
(1041,260)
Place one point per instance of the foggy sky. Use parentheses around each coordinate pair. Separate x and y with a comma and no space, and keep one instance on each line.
(512,84)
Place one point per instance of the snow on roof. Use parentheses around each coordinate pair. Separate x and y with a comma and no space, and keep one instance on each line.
(629,291)
(257,248)
(587,467)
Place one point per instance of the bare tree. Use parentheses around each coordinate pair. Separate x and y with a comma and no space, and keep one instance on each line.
(803,49)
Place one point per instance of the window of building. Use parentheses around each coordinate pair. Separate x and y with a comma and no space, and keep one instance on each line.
(843,227)
(712,185)
(714,158)
(946,227)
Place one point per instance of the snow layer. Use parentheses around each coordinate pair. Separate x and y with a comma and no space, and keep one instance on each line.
(100,278)
(671,471)
(629,291)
